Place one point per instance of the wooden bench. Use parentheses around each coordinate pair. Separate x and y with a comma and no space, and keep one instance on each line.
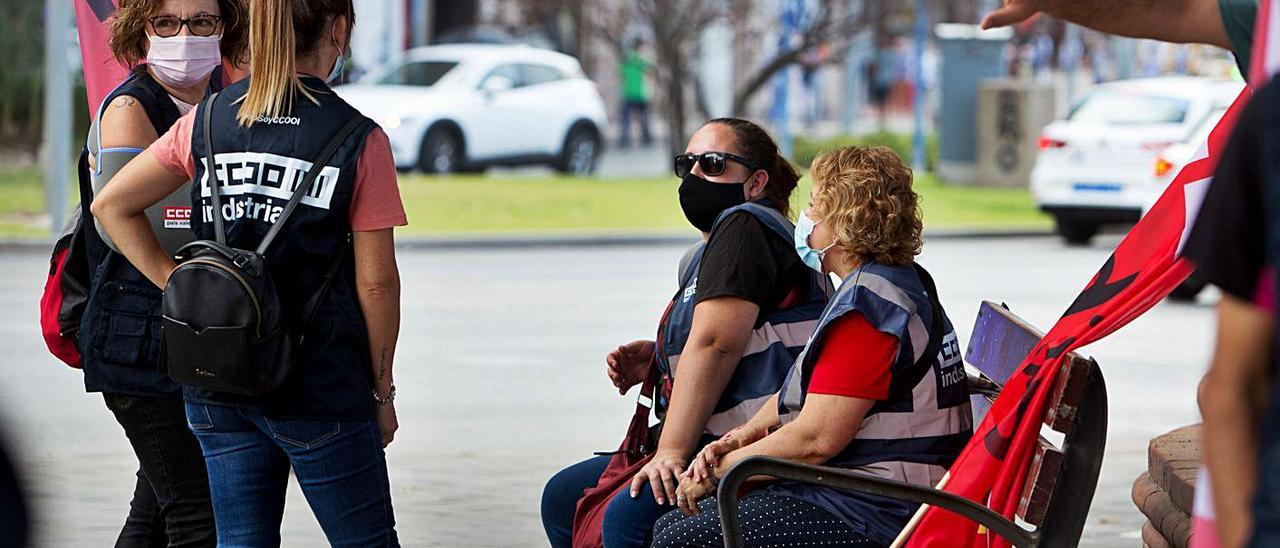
(1061,478)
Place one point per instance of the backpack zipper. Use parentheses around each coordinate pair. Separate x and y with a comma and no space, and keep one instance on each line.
(257,308)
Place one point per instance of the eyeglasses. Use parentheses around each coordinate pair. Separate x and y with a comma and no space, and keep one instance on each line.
(167,26)
(712,163)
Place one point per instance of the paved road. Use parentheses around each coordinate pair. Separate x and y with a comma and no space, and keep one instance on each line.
(501,383)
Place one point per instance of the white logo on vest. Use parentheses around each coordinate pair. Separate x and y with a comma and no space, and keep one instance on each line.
(269,180)
(287,120)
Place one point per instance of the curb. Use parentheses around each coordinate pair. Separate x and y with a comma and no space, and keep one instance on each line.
(462,242)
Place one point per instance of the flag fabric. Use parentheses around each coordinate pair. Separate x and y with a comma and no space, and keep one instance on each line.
(101,71)
(1142,270)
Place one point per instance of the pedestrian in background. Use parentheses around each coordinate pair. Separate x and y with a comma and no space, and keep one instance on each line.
(635,69)
(330,419)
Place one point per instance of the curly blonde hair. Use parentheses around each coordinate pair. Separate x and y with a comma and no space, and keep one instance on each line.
(864,195)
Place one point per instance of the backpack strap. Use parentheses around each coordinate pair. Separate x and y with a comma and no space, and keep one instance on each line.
(313,303)
(316,167)
(211,172)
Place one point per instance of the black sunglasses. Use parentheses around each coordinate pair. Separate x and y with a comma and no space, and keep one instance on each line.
(168,26)
(712,163)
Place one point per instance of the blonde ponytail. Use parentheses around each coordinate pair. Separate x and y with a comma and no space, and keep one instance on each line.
(273,78)
(280,31)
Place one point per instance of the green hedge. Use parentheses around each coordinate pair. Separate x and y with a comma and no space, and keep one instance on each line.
(804,149)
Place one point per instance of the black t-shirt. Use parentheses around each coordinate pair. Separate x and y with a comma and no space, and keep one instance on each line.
(748,260)
(1228,241)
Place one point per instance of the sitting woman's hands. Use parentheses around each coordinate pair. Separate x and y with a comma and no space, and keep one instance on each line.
(709,457)
(662,473)
(627,364)
(691,491)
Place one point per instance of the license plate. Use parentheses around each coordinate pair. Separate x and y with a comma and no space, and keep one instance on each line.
(1097,187)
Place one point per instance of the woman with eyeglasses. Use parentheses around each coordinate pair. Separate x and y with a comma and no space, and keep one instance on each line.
(746,304)
(173,47)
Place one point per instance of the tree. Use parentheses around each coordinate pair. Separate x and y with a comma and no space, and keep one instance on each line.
(22,82)
(833,26)
(672,27)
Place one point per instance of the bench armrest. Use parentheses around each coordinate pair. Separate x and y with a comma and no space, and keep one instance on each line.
(839,478)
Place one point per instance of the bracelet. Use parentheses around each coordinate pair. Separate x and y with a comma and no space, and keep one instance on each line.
(390,397)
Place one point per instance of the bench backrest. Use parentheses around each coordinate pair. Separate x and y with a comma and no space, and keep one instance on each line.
(1061,480)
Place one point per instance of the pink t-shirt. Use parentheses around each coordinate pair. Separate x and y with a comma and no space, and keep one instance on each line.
(375,205)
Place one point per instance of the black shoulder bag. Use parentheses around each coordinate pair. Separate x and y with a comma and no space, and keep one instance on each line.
(224,326)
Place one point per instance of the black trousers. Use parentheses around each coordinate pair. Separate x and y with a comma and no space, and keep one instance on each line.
(171,505)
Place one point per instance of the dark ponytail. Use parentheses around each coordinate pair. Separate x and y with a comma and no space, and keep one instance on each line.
(756,144)
(279,32)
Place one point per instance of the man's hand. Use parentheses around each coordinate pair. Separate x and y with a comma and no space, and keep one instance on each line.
(709,457)
(627,364)
(690,492)
(663,474)
(387,423)
(1179,21)
(1013,12)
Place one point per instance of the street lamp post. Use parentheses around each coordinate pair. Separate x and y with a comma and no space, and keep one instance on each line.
(918,163)
(57,112)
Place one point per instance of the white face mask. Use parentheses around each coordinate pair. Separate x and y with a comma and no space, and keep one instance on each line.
(183,61)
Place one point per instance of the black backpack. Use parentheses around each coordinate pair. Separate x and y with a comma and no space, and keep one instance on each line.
(224,327)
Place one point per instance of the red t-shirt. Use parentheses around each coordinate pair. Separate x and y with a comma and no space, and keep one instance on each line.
(855,360)
(375,205)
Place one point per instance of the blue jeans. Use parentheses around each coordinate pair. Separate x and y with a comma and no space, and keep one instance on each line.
(641,110)
(339,465)
(627,522)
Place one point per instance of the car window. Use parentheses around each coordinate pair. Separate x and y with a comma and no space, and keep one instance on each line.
(540,74)
(1118,109)
(511,72)
(418,73)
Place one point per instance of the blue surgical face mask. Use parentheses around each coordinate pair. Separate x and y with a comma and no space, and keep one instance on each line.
(811,257)
(337,64)
(337,70)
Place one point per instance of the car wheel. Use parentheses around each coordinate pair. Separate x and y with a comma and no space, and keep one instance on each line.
(441,152)
(581,153)
(1076,232)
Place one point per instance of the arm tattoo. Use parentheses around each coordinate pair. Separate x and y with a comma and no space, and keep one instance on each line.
(124,101)
(382,365)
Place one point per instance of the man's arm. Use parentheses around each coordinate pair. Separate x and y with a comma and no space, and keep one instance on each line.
(1182,21)
(1232,399)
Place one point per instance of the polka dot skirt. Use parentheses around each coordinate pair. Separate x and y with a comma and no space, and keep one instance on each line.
(768,521)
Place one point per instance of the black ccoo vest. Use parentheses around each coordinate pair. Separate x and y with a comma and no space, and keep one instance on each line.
(259,167)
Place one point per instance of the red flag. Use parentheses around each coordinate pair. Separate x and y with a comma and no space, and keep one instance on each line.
(1144,268)
(101,71)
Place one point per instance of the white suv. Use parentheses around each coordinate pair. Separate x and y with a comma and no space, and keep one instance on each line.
(465,107)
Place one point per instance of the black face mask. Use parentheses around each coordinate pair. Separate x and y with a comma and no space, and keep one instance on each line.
(703,201)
